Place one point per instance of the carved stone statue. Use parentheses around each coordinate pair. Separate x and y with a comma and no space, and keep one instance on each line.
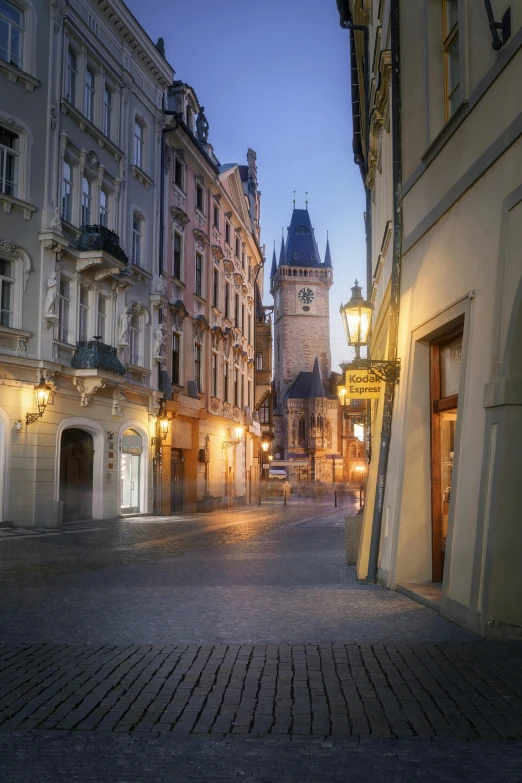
(123,328)
(159,285)
(202,126)
(159,339)
(50,298)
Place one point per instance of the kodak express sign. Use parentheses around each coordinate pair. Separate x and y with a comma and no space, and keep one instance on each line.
(362,385)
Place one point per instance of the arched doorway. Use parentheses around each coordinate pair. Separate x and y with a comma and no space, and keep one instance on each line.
(76,474)
(131,450)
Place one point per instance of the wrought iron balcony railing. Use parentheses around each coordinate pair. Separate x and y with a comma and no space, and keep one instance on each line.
(101,238)
(95,355)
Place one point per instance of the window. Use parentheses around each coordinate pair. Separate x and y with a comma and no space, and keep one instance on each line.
(86,202)
(227,300)
(226,376)
(9,154)
(451,57)
(104,207)
(137,237)
(178,172)
(83,322)
(134,339)
(139,144)
(199,197)
(176,271)
(64,302)
(227,232)
(238,244)
(214,375)
(216,217)
(249,387)
(11,33)
(89,93)
(243,318)
(107,112)
(236,386)
(259,361)
(199,274)
(6,293)
(215,288)
(302,230)
(236,310)
(249,319)
(243,257)
(175,358)
(101,320)
(249,267)
(302,433)
(264,412)
(67,186)
(242,389)
(72,73)
(197,365)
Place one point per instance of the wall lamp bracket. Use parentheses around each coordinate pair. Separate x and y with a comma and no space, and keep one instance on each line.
(30,418)
(504,25)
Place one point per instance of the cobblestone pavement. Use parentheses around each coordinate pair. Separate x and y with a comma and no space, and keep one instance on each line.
(237,646)
(50,757)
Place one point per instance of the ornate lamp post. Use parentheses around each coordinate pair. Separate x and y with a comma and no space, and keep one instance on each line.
(41,391)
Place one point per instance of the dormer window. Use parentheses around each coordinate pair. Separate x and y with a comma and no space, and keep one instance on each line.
(295,256)
(303,230)
(312,257)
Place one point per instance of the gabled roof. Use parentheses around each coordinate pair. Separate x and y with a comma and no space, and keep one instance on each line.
(301,247)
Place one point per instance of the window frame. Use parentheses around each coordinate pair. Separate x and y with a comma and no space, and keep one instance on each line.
(216,216)
(104,209)
(137,240)
(214,374)
(199,197)
(198,274)
(259,361)
(86,200)
(83,314)
(227,301)
(11,282)
(103,333)
(15,153)
(180,237)
(62,331)
(71,81)
(138,147)
(179,165)
(227,232)
(107,110)
(89,96)
(176,363)
(22,32)
(450,38)
(215,287)
(135,351)
(198,365)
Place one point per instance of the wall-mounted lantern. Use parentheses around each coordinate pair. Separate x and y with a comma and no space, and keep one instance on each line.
(163,426)
(228,443)
(41,391)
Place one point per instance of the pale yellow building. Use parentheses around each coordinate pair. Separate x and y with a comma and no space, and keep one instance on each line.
(443,170)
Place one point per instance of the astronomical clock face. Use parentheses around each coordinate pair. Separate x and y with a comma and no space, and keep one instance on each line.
(306,296)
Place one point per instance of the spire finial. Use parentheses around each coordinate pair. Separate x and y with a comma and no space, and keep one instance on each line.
(306,202)
(294,199)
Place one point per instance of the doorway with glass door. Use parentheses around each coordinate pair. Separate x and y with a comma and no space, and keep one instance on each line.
(445,362)
(131,448)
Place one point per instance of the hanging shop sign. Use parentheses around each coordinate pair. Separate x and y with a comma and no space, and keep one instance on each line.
(362,385)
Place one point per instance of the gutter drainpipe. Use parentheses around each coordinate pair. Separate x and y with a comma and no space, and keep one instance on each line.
(393,330)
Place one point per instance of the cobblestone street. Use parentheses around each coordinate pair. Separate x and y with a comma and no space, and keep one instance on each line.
(237,645)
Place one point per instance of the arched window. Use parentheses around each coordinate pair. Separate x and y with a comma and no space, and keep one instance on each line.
(301,431)
(312,422)
(303,230)
(360,450)
(353,451)
(319,422)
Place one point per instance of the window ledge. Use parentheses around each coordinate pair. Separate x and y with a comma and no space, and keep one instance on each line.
(178,282)
(139,273)
(137,374)
(179,190)
(200,299)
(8,202)
(86,125)
(201,215)
(13,340)
(445,133)
(15,74)
(140,175)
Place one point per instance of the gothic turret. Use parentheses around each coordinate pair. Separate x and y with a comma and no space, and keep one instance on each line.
(273,271)
(327,256)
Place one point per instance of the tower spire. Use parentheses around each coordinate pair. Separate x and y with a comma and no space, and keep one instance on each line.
(294,199)
(306,202)
(327,254)
(282,253)
(274,263)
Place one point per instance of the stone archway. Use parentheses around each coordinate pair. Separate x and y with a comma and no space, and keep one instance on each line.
(96,431)
(76,474)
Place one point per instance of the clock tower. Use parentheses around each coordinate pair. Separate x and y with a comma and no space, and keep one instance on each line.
(300,284)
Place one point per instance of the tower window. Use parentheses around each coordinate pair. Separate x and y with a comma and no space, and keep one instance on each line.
(295,256)
(303,230)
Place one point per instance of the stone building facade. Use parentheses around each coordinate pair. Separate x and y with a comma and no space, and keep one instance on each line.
(206,312)
(440,152)
(306,417)
(89,299)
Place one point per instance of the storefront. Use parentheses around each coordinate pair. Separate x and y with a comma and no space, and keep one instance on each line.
(131,456)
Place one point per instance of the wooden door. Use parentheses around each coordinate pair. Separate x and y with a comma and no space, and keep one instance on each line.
(445,359)
(177,478)
(76,474)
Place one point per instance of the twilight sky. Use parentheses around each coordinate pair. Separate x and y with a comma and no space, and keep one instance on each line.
(274,75)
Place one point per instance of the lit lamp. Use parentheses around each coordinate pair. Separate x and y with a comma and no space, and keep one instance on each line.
(357,322)
(357,319)
(41,391)
(265,446)
(163,426)
(228,443)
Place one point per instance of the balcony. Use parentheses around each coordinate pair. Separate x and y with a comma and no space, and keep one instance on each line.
(95,355)
(101,238)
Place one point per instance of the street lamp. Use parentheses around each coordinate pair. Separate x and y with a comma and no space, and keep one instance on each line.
(163,426)
(41,391)
(357,320)
(228,443)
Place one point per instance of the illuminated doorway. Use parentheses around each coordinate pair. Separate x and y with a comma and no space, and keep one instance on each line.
(131,450)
